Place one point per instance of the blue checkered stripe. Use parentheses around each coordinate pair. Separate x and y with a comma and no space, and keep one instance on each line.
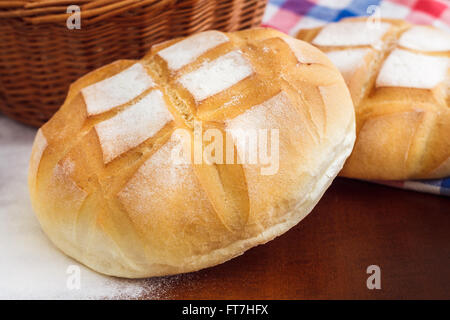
(354,9)
(308,8)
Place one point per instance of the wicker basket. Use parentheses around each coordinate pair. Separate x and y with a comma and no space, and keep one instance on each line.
(40,56)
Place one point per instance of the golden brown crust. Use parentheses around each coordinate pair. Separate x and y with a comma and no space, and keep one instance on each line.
(134,213)
(402,132)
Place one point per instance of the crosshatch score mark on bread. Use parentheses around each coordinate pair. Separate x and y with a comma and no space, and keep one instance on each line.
(406,69)
(135,213)
(216,76)
(357,33)
(116,90)
(133,126)
(189,49)
(398,75)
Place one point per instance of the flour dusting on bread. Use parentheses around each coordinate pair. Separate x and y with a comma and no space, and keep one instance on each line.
(351,34)
(133,126)
(156,180)
(217,75)
(116,90)
(407,69)
(278,113)
(348,61)
(189,49)
(66,186)
(425,39)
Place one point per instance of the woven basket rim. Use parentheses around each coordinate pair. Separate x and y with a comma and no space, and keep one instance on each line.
(91,11)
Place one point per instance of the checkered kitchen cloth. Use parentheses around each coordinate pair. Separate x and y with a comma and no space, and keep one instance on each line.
(290,16)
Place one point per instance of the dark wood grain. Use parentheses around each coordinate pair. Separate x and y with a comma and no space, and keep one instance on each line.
(356,224)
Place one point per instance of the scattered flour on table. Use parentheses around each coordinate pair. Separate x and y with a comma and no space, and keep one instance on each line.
(31,267)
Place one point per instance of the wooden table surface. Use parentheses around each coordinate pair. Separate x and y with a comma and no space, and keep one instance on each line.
(355,224)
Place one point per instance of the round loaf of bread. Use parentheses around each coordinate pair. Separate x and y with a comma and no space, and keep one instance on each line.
(398,75)
(105,178)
